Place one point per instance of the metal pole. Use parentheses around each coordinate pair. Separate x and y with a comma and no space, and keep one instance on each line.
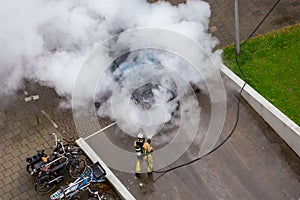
(35,110)
(32,98)
(237,32)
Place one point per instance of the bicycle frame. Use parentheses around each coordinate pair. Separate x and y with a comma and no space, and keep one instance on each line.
(80,184)
(34,163)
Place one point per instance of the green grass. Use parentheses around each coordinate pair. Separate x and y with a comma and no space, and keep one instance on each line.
(271,65)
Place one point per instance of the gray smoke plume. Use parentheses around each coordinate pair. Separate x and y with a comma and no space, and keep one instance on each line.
(48,40)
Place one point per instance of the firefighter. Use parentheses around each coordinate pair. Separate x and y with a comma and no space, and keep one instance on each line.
(144,153)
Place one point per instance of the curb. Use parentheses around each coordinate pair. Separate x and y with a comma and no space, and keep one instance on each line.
(120,188)
(288,130)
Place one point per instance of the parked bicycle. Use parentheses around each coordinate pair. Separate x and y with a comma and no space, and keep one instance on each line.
(35,163)
(51,171)
(94,174)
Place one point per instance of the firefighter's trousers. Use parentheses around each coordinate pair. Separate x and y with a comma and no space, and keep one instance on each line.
(144,157)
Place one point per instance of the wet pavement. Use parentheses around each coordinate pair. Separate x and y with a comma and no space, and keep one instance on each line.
(254,164)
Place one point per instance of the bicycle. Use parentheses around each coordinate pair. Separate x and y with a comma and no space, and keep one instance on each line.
(51,173)
(94,174)
(36,163)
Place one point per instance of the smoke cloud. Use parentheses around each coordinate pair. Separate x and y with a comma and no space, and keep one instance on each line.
(48,40)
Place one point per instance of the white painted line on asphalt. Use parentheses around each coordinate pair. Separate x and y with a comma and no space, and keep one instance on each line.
(120,188)
(49,118)
(100,131)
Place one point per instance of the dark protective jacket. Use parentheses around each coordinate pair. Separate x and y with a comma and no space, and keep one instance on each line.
(143,147)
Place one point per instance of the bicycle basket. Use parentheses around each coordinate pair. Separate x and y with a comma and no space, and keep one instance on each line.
(98,171)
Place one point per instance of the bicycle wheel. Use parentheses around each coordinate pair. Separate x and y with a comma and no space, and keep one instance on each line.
(109,196)
(75,150)
(106,196)
(77,168)
(44,184)
(104,190)
(93,198)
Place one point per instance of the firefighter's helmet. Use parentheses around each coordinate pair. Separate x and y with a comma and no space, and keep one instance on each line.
(140,136)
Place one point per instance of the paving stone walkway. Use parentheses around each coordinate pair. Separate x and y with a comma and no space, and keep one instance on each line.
(21,137)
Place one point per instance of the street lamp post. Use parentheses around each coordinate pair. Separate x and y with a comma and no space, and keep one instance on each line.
(237,32)
(32,100)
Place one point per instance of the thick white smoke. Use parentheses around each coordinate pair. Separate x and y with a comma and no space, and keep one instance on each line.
(147,88)
(48,40)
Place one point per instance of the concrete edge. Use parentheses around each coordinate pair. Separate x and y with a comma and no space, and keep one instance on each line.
(121,189)
(288,130)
